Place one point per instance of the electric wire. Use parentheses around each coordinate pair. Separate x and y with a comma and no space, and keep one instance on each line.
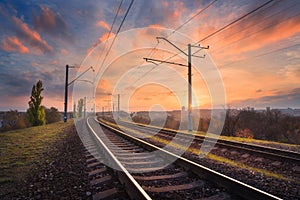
(250,26)
(263,54)
(176,29)
(254,33)
(110,31)
(187,21)
(214,33)
(112,43)
(179,27)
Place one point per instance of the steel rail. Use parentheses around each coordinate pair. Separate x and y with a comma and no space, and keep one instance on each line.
(136,191)
(236,187)
(266,152)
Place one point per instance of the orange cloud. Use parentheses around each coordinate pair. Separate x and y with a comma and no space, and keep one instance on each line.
(236,41)
(105,36)
(103,24)
(179,9)
(173,14)
(104,88)
(64,52)
(35,64)
(14,44)
(155,26)
(47,17)
(147,96)
(279,32)
(33,37)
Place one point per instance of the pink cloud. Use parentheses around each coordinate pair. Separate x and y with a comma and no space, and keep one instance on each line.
(104,89)
(30,36)
(52,23)
(100,40)
(155,26)
(103,24)
(46,19)
(13,44)
(35,64)
(280,32)
(174,13)
(105,36)
(64,52)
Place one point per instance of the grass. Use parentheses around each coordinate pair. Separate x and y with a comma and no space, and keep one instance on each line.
(21,149)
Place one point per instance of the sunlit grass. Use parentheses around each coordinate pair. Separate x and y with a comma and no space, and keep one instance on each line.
(20,149)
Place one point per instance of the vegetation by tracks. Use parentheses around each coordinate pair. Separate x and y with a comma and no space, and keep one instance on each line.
(42,162)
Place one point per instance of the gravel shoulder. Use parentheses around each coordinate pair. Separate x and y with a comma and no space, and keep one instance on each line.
(59,173)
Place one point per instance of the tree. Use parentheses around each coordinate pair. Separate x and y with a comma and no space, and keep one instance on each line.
(80,107)
(52,115)
(35,112)
(13,120)
(74,110)
(231,121)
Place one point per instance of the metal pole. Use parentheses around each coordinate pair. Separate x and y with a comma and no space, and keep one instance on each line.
(84,113)
(189,55)
(190,124)
(118,106)
(66,94)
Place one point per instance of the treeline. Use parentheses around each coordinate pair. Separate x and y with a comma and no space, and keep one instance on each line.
(13,119)
(269,125)
(35,115)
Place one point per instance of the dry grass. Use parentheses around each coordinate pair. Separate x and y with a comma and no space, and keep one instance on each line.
(22,149)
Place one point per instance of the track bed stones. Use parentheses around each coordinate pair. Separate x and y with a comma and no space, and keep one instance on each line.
(159,181)
(250,163)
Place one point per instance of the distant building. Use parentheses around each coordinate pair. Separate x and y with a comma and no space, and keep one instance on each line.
(290,111)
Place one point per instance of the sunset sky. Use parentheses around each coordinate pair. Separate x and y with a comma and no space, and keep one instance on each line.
(257,58)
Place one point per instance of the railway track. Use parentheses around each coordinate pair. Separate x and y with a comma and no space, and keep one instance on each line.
(147,175)
(258,150)
(103,182)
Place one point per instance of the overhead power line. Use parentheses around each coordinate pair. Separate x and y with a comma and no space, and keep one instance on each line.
(219,30)
(261,21)
(263,54)
(256,32)
(235,21)
(198,13)
(110,31)
(176,29)
(184,23)
(112,43)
